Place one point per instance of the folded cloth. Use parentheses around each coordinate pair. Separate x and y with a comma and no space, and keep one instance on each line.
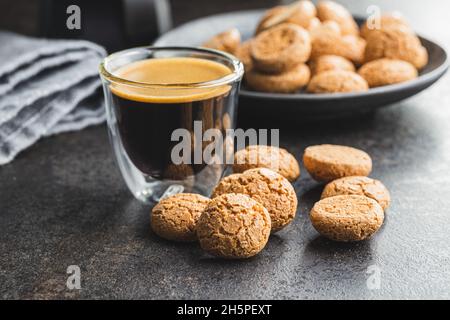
(46,87)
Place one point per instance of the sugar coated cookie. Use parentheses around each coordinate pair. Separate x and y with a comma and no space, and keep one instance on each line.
(175,218)
(328,162)
(274,158)
(233,226)
(386,21)
(384,71)
(267,187)
(329,10)
(358,185)
(347,217)
(227,41)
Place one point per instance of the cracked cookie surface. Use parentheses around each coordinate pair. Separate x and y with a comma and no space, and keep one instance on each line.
(330,62)
(359,185)
(175,217)
(382,72)
(270,157)
(328,162)
(234,226)
(334,81)
(347,217)
(267,187)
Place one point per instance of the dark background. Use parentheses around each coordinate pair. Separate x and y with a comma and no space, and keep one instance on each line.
(63,202)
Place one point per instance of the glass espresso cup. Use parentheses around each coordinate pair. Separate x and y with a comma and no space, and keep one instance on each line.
(162,103)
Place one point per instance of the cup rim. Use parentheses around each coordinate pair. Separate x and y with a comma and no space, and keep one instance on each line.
(236,74)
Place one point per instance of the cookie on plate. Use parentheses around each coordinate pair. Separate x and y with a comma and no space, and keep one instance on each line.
(267,187)
(396,43)
(286,82)
(227,41)
(280,48)
(175,217)
(330,62)
(386,21)
(337,81)
(347,217)
(382,72)
(270,157)
(330,10)
(233,226)
(328,162)
(358,185)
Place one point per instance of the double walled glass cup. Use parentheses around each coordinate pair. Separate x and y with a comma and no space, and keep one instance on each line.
(161,131)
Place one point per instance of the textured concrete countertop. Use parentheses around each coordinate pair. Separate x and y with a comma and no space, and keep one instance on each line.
(63,202)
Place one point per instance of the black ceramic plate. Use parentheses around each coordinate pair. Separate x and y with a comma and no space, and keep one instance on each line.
(303,104)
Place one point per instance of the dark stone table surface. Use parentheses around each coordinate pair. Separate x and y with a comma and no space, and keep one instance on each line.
(63,202)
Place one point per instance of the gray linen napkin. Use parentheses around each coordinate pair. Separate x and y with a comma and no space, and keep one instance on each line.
(46,87)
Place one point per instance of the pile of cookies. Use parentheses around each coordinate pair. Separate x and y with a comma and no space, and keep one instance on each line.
(258,200)
(322,49)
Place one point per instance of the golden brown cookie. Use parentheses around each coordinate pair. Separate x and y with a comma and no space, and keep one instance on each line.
(270,157)
(386,21)
(328,162)
(175,218)
(347,218)
(358,185)
(267,187)
(396,43)
(326,39)
(227,41)
(329,10)
(300,13)
(382,72)
(243,54)
(330,62)
(286,82)
(233,226)
(335,81)
(280,48)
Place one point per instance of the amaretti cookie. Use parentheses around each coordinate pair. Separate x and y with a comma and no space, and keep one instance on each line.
(243,54)
(261,156)
(280,48)
(330,62)
(384,71)
(335,81)
(287,82)
(330,10)
(396,43)
(227,41)
(386,21)
(233,226)
(359,185)
(347,217)
(328,162)
(299,12)
(175,217)
(267,187)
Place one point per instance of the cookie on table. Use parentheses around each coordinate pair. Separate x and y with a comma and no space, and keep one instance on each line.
(267,187)
(382,72)
(386,21)
(396,43)
(233,226)
(359,185)
(227,41)
(287,82)
(300,13)
(347,217)
(270,157)
(330,10)
(330,62)
(280,48)
(337,81)
(175,217)
(328,162)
